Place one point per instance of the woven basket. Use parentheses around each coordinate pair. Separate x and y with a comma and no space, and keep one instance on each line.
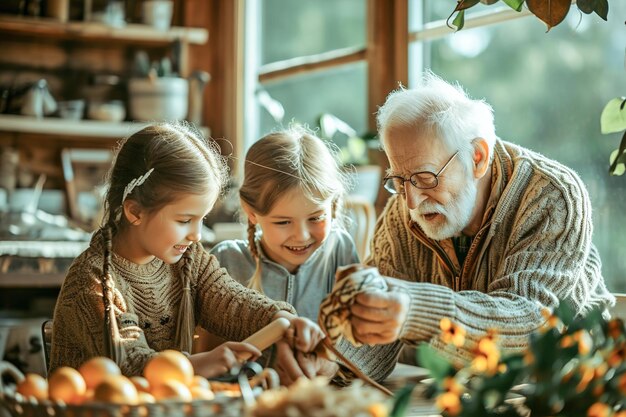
(222,405)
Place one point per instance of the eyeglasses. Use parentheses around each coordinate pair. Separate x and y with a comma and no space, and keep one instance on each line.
(423,180)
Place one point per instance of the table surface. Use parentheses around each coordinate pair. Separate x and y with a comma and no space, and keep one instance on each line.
(402,375)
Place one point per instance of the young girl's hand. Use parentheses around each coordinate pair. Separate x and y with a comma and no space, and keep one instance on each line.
(304,335)
(220,360)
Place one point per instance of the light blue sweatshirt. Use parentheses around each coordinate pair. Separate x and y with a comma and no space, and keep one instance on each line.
(305,289)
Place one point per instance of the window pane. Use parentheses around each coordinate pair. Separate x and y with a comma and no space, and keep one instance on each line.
(548,90)
(341,91)
(307,27)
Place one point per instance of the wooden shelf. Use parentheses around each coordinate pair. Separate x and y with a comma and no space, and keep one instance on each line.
(73,128)
(135,33)
(82,128)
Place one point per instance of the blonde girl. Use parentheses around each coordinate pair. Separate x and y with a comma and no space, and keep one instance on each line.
(292,194)
(145,281)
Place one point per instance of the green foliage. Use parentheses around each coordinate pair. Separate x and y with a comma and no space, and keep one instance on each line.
(613,119)
(352,147)
(550,12)
(573,366)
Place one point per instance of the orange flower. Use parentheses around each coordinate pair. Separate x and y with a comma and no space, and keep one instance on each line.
(586,376)
(449,403)
(621,383)
(617,356)
(552,321)
(452,385)
(582,338)
(486,356)
(615,328)
(599,410)
(451,332)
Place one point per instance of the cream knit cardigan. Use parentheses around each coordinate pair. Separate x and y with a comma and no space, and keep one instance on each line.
(533,249)
(147,299)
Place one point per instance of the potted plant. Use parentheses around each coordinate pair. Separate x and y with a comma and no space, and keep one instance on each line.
(355,153)
(573,366)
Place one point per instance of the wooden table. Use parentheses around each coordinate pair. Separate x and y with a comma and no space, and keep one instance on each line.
(407,374)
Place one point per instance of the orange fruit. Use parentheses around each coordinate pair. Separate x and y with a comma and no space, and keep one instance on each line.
(116,389)
(140,383)
(66,384)
(145,398)
(33,385)
(169,365)
(201,393)
(200,381)
(171,390)
(96,369)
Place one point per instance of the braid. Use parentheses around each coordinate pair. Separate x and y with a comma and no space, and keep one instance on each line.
(186,321)
(112,343)
(255,281)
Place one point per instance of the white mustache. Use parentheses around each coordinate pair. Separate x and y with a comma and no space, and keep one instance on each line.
(430,208)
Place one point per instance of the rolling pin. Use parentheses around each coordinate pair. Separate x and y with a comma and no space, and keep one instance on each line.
(267,336)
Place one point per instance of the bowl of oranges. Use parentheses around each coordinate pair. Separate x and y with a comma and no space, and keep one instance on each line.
(168,387)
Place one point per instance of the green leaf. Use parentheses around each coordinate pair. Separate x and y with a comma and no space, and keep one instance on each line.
(465,4)
(459,20)
(401,402)
(586,6)
(602,8)
(565,311)
(620,166)
(515,4)
(430,359)
(613,117)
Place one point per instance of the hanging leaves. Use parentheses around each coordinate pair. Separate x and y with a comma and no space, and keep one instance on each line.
(618,159)
(601,7)
(459,20)
(551,12)
(515,4)
(613,117)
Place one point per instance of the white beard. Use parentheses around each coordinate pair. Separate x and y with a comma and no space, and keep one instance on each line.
(454,216)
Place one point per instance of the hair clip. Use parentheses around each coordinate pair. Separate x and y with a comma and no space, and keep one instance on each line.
(135,183)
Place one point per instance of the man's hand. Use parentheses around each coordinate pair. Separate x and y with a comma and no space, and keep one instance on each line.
(292,366)
(377,318)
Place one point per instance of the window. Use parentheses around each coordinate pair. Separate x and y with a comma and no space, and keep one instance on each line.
(305,58)
(547,91)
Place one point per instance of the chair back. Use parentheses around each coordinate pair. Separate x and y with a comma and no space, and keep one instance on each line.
(46,336)
(619,309)
(362,214)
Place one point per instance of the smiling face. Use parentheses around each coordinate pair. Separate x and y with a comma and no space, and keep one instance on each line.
(293,229)
(165,233)
(443,211)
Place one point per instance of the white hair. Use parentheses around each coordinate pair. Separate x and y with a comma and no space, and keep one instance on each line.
(439,107)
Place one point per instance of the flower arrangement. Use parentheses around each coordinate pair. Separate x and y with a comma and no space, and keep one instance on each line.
(573,367)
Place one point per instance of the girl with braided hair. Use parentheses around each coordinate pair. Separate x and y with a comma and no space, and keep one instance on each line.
(292,194)
(146,278)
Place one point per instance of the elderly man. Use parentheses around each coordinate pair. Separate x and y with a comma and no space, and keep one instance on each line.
(478,230)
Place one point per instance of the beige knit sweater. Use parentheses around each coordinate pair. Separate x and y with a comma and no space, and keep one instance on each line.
(533,249)
(147,299)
